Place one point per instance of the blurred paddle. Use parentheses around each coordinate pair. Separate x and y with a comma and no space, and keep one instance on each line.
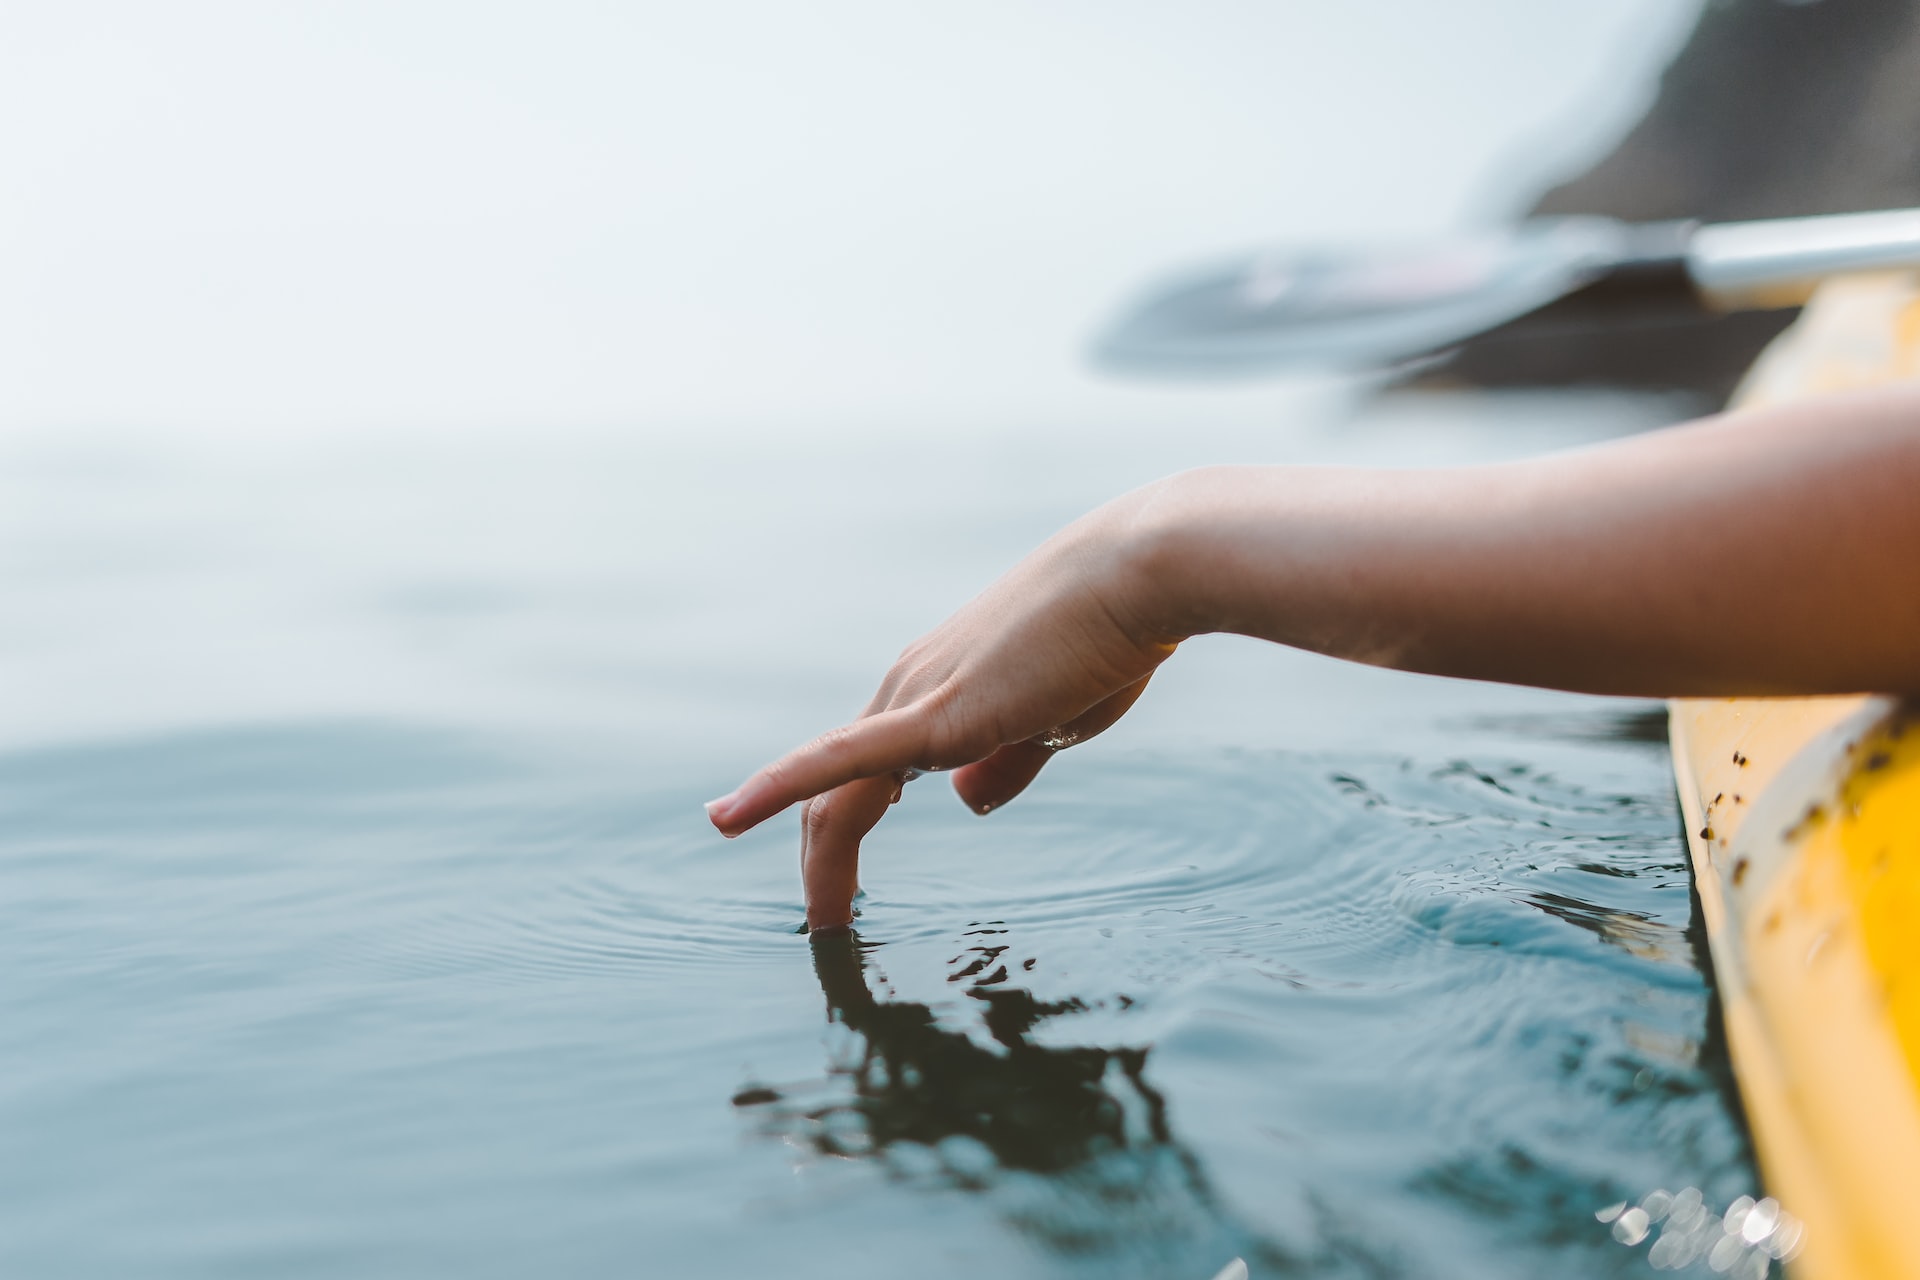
(1290,310)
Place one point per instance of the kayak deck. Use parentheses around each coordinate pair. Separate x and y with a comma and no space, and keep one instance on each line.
(1803,825)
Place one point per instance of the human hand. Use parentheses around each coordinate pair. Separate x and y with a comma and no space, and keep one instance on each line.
(1050,655)
(1616,569)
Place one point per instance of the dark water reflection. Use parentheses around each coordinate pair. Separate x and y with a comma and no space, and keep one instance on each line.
(1032,1107)
(1078,1128)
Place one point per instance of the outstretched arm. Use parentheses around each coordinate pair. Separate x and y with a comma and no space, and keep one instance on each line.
(1766,552)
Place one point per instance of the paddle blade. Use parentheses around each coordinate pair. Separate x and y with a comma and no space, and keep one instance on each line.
(1291,310)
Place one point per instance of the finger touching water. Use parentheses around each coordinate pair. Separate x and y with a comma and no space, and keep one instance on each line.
(1052,654)
(831,829)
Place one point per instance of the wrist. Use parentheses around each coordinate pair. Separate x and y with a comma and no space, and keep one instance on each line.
(1165,571)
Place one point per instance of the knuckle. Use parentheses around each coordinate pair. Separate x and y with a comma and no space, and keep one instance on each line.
(952,735)
(816,817)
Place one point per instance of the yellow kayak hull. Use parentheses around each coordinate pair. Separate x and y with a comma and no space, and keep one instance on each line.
(1803,823)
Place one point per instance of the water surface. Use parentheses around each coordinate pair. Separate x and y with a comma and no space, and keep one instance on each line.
(369,999)
(361,920)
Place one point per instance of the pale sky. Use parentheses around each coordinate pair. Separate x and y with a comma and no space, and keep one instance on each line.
(348,216)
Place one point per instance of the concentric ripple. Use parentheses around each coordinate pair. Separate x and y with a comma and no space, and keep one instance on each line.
(1392,1011)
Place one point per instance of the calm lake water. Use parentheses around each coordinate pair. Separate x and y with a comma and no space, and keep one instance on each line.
(441,445)
(361,918)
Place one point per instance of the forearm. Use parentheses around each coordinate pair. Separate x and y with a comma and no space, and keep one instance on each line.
(1765,553)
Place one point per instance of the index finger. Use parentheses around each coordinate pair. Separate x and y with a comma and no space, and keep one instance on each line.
(883,743)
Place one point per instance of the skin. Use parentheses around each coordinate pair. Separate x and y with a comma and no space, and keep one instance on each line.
(1768,552)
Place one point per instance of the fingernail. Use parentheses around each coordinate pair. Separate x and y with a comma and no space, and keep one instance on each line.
(717,810)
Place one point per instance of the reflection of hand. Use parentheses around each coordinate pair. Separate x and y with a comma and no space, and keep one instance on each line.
(1081,1116)
(1053,653)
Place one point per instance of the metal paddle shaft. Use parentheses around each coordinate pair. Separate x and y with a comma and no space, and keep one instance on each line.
(1279,311)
